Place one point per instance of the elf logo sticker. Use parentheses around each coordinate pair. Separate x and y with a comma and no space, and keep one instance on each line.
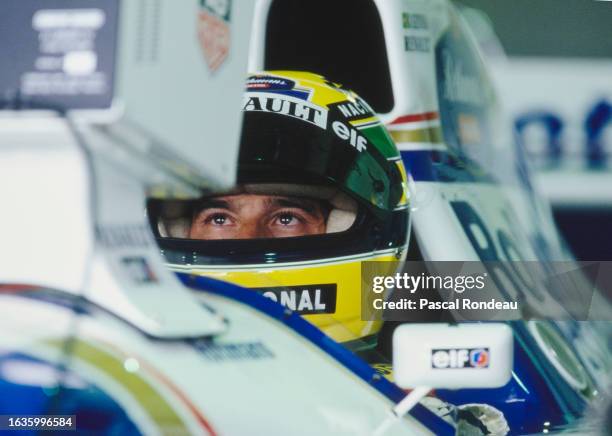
(458,358)
(479,358)
(351,135)
(305,299)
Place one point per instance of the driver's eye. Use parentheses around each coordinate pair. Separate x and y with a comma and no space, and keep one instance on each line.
(286,218)
(219,219)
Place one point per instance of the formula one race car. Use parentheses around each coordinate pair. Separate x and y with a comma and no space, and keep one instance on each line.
(102,335)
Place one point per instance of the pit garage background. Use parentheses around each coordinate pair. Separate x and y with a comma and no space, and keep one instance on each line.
(552,61)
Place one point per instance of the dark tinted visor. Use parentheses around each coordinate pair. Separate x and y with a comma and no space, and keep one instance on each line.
(281,149)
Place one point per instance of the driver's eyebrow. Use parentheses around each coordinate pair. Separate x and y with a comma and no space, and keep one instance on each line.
(310,206)
(212,203)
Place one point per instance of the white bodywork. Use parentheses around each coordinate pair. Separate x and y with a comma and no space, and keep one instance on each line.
(76,223)
(289,387)
(76,186)
(171,95)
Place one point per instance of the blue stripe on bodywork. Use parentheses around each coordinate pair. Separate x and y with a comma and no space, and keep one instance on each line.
(442,166)
(318,338)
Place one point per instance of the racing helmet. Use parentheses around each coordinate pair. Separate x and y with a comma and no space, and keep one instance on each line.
(304,136)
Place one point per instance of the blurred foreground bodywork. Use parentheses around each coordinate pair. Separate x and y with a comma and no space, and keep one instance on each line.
(270,367)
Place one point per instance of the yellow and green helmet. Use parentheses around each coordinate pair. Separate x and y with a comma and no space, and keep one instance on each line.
(303,135)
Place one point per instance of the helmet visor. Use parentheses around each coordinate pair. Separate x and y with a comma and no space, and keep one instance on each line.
(278,149)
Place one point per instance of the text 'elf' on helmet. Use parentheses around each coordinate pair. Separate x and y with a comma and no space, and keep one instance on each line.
(304,136)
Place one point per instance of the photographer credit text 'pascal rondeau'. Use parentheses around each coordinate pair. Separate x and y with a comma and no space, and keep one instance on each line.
(408,285)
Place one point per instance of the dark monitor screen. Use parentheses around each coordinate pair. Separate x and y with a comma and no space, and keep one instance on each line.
(58,53)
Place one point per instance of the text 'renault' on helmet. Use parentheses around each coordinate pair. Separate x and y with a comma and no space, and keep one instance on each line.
(303,137)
